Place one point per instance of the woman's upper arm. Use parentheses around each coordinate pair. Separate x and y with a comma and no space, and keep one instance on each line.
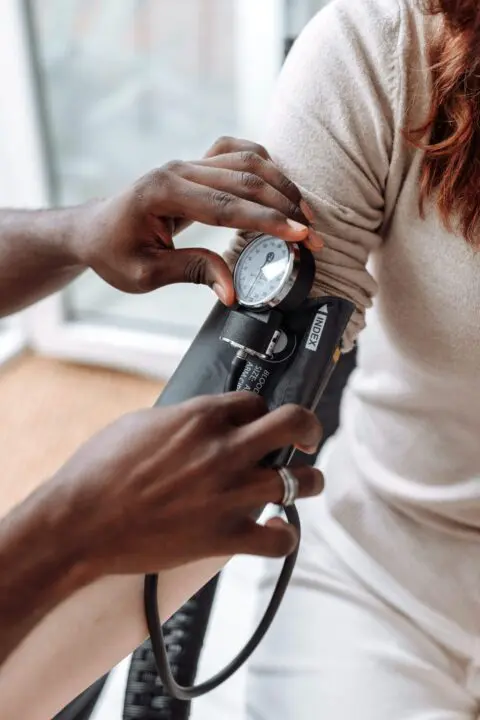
(331,130)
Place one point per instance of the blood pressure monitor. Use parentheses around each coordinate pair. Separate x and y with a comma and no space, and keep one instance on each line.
(275,342)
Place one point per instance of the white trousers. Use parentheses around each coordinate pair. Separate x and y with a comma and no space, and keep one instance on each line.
(340,651)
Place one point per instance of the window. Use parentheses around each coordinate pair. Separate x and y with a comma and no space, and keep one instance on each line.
(102,91)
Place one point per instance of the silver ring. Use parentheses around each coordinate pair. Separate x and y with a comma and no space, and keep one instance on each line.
(290,484)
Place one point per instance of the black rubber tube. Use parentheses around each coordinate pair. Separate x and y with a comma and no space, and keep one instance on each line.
(159,645)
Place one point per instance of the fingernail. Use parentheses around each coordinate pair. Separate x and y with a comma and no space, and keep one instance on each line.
(298,227)
(307,211)
(308,449)
(220,292)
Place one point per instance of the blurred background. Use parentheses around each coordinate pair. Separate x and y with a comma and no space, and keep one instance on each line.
(94,93)
(97,92)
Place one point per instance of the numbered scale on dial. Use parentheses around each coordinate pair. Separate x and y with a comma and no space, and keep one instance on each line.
(273,273)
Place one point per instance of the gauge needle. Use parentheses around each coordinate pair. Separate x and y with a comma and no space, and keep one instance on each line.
(268,259)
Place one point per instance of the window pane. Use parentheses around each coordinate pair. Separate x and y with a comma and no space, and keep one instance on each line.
(128,86)
(130,83)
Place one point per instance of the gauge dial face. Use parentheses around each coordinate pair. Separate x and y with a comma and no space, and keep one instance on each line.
(262,270)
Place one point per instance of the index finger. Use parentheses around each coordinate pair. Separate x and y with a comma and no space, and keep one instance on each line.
(287,426)
(266,169)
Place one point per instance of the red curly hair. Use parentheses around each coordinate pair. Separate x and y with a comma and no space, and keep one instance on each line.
(450,136)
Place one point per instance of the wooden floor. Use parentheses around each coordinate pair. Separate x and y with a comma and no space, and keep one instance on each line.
(48,408)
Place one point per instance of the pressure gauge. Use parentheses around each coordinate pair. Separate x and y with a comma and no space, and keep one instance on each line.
(271,273)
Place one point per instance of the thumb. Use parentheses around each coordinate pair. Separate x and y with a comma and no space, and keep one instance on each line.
(199,266)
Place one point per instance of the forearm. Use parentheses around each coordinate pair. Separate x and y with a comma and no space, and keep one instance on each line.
(40,566)
(86,636)
(62,625)
(37,254)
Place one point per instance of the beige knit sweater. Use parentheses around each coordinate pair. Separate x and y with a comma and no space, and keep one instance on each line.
(403,473)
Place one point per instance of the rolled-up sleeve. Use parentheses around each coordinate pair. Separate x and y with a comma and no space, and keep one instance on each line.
(331,131)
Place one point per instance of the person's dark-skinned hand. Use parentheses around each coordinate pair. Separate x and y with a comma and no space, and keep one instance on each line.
(166,486)
(128,239)
(157,489)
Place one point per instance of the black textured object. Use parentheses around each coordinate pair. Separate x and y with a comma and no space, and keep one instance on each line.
(184,633)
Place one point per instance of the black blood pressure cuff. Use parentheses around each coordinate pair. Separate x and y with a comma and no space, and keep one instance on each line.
(297,373)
